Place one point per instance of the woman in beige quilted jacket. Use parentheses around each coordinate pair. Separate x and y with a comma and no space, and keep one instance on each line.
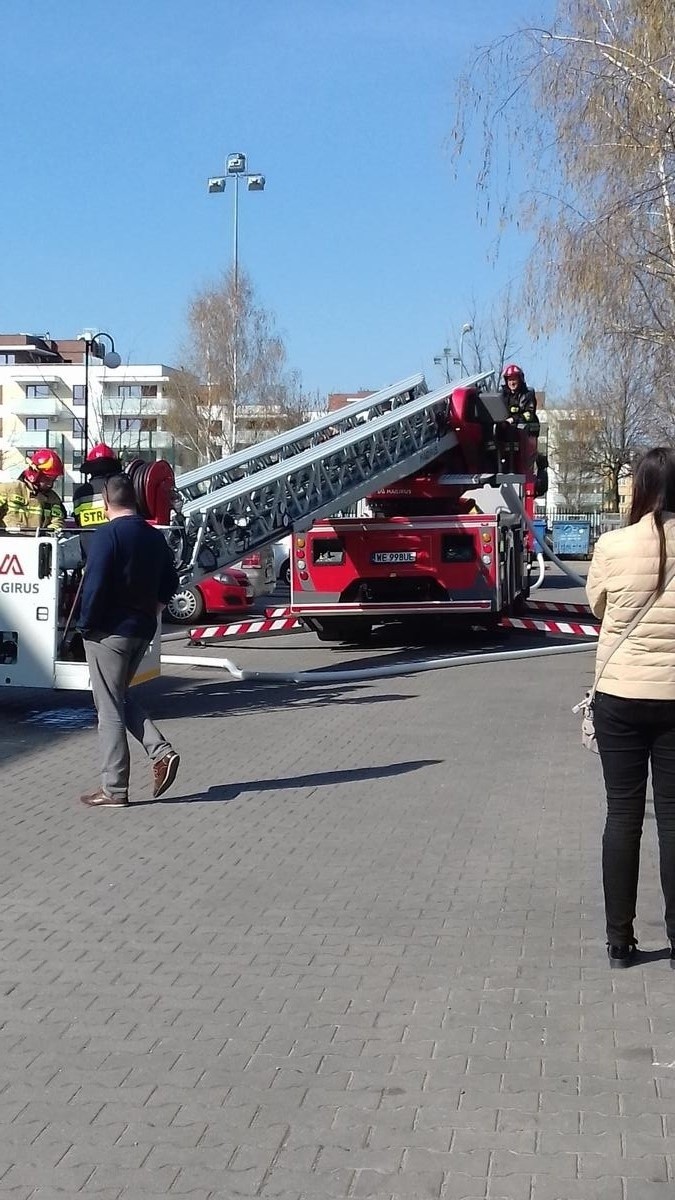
(634,706)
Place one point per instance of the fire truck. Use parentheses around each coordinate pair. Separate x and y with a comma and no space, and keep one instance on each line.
(445,544)
(219,512)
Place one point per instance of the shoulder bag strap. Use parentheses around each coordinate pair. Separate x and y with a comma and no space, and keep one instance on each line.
(630,627)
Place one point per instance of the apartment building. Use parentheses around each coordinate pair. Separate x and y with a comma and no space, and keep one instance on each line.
(42,403)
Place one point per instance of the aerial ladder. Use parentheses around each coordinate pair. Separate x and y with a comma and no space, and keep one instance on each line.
(213,515)
(249,499)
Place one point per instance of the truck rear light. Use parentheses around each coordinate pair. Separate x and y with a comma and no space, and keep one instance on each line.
(486,537)
(304,576)
(487,558)
(300,542)
(251,560)
(302,565)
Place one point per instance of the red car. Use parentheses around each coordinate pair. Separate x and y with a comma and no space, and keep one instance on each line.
(228,591)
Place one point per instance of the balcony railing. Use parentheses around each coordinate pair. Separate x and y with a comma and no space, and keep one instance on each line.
(47,406)
(118,406)
(155,439)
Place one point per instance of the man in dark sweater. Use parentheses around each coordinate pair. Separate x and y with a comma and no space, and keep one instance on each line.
(129,577)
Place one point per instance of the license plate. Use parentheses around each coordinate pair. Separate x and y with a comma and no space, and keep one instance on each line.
(394,556)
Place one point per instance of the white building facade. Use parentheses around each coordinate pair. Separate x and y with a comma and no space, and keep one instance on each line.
(42,403)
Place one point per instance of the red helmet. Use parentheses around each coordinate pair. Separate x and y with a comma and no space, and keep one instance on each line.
(100,450)
(512,371)
(44,462)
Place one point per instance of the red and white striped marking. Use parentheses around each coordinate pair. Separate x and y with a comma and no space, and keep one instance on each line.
(555,606)
(240,628)
(540,625)
(279,620)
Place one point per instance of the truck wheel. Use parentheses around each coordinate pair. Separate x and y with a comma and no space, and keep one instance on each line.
(360,632)
(328,629)
(354,632)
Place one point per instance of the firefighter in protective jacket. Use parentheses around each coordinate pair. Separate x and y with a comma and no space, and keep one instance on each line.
(520,400)
(88,506)
(30,502)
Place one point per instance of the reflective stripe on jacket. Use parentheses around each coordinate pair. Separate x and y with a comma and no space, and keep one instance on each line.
(21,508)
(88,504)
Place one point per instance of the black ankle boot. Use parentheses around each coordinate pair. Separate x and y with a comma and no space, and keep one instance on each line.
(622,956)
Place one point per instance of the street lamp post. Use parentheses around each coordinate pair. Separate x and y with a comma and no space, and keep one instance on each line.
(446,355)
(236,166)
(110,359)
(466,328)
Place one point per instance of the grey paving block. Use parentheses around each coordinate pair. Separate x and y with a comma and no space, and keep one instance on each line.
(415,1186)
(377,969)
(549,1188)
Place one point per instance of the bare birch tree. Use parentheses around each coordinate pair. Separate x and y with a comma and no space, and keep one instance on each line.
(615,419)
(494,336)
(578,142)
(600,432)
(235,364)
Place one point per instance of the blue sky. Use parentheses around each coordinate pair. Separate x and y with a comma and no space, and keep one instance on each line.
(364,245)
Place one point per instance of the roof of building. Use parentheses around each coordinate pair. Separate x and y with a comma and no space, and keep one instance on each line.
(339,399)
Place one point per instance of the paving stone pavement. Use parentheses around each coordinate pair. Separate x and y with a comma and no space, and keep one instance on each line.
(357,952)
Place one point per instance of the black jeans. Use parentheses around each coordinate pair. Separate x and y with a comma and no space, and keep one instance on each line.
(632,734)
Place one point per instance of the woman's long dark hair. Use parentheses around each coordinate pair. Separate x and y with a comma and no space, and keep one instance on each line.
(654,492)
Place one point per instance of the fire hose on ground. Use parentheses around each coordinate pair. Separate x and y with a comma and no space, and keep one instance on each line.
(354,676)
(401,668)
(516,505)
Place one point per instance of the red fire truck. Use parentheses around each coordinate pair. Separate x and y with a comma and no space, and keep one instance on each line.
(445,543)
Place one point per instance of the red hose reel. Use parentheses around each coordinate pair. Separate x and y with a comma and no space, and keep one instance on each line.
(155,488)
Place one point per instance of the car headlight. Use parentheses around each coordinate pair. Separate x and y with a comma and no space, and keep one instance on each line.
(223,577)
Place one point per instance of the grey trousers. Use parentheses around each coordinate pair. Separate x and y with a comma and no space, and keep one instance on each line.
(112,663)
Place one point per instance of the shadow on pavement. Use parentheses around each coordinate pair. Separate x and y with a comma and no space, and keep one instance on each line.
(219,699)
(222,793)
(35,719)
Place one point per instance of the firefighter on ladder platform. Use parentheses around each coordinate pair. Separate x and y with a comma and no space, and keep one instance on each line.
(88,505)
(30,503)
(520,400)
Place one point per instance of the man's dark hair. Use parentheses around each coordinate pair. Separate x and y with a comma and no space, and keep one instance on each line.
(118,490)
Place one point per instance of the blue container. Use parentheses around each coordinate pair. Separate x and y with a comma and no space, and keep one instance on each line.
(540,534)
(572,539)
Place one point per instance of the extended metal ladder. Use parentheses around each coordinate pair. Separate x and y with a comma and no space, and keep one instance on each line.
(255,496)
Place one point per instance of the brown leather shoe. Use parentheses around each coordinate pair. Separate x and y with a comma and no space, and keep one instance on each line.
(101,799)
(165,772)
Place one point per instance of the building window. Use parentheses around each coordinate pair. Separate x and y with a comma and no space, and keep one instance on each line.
(7,360)
(137,391)
(38,391)
(78,393)
(78,427)
(129,425)
(37,424)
